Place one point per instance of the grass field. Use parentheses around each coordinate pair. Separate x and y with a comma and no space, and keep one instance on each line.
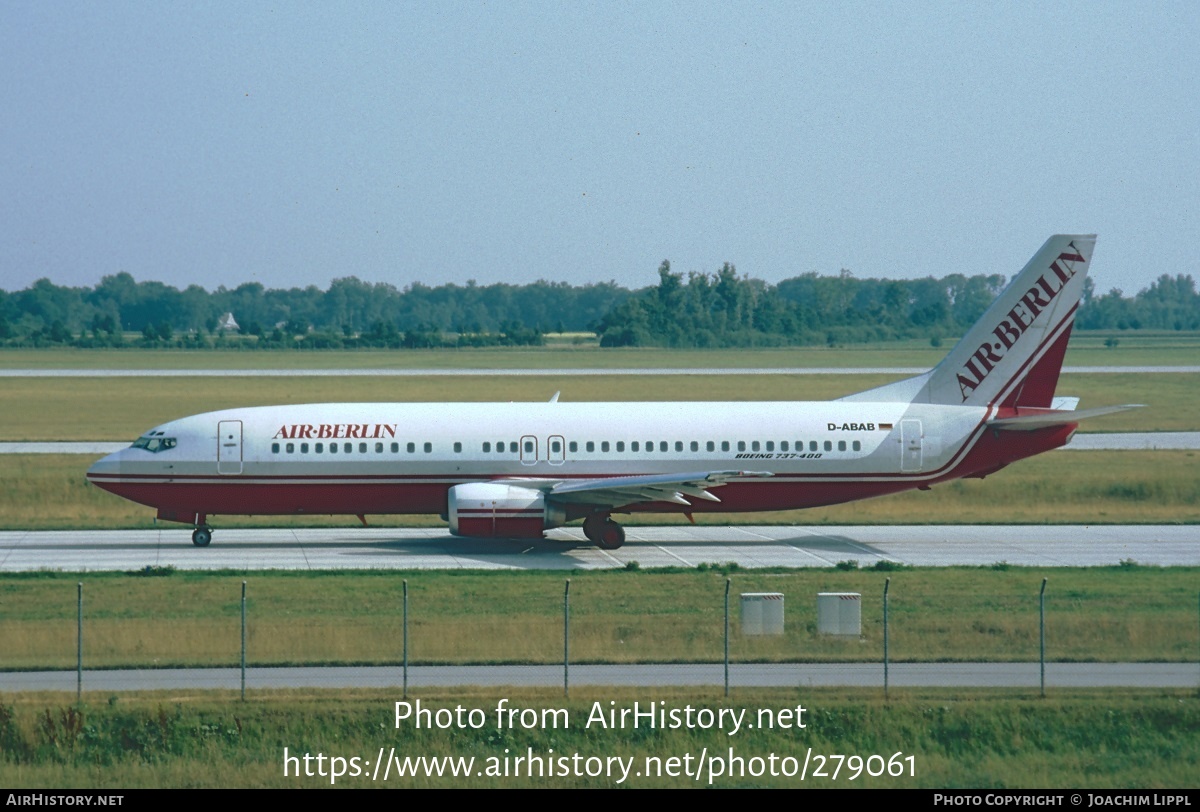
(61,409)
(1138,349)
(1125,613)
(49,491)
(1076,740)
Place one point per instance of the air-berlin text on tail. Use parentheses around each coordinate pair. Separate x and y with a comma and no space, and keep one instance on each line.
(336,431)
(1023,314)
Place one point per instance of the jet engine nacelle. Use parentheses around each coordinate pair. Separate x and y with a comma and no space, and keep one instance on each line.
(491,510)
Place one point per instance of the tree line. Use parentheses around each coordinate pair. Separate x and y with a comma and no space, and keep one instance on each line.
(723,309)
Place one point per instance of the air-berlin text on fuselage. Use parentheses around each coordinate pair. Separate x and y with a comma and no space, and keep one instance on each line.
(1017,321)
(336,431)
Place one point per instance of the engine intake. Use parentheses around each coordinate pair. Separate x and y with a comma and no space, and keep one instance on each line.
(490,510)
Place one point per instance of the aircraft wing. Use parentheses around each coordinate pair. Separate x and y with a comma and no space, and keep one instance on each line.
(624,490)
(1045,418)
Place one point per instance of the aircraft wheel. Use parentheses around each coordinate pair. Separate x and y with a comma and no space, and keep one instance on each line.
(593,527)
(201,536)
(611,536)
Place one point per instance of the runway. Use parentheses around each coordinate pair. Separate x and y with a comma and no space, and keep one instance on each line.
(741,675)
(750,547)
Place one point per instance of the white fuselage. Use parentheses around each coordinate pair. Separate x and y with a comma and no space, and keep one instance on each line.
(358,458)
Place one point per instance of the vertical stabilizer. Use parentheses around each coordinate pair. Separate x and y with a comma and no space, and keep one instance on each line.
(1014,353)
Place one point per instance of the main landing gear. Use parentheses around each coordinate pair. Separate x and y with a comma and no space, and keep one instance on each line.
(603,531)
(202,536)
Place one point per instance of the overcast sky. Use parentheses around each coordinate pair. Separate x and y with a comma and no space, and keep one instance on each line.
(295,143)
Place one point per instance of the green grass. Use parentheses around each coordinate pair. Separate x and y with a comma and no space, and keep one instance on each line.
(1142,348)
(1127,613)
(1077,739)
(61,409)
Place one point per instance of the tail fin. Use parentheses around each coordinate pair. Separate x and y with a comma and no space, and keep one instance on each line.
(1013,354)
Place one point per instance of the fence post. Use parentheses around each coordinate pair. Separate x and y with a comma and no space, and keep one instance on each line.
(727,583)
(1042,632)
(887,583)
(243,641)
(405,638)
(567,638)
(79,642)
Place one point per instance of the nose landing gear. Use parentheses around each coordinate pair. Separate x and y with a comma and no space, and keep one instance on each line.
(603,531)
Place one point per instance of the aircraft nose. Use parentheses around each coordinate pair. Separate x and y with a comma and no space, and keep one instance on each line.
(106,466)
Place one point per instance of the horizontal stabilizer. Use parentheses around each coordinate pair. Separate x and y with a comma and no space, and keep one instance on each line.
(1042,419)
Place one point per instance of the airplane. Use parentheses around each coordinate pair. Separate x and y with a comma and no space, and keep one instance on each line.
(515,470)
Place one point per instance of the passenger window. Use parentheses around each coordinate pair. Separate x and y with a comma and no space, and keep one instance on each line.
(274,448)
(555,446)
(591,446)
(754,446)
(604,445)
(412,448)
(487,448)
(841,445)
(429,448)
(696,446)
(512,448)
(741,445)
(395,448)
(662,446)
(812,445)
(828,445)
(770,445)
(362,448)
(528,446)
(458,448)
(319,447)
(620,445)
(632,446)
(333,448)
(291,447)
(783,445)
(379,448)
(304,448)
(572,446)
(857,446)
(710,445)
(724,445)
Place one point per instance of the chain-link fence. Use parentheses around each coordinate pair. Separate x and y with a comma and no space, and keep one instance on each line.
(1122,626)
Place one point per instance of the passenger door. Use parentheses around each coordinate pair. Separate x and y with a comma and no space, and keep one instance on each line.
(229,447)
(910,446)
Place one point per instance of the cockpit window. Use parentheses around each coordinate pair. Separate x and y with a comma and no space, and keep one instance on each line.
(154,443)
